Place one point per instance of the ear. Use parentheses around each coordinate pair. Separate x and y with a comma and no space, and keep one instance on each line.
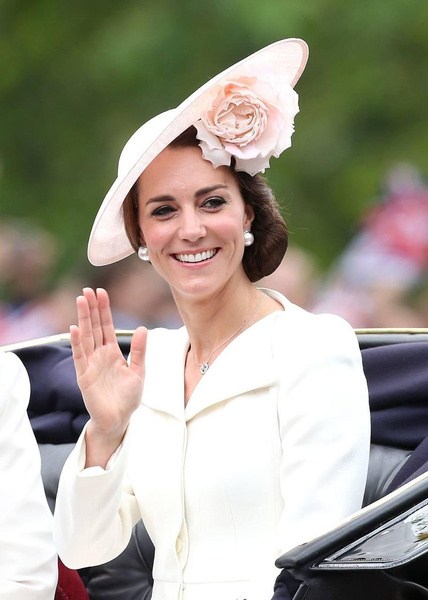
(249,216)
(141,237)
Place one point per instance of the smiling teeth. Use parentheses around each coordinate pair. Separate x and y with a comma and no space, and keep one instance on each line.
(195,258)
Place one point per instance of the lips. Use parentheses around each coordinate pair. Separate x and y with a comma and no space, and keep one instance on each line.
(196,257)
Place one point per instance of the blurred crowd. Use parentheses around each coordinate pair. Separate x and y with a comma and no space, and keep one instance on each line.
(34,304)
(379,280)
(381,277)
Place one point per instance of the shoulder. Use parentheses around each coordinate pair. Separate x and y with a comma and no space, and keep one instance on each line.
(293,317)
(301,314)
(313,325)
(319,355)
(11,365)
(14,382)
(301,332)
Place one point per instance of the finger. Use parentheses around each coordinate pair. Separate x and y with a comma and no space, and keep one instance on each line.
(79,356)
(85,325)
(107,325)
(138,351)
(94,313)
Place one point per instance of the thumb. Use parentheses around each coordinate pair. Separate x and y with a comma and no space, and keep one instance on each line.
(138,351)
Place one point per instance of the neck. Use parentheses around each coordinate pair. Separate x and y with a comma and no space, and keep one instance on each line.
(210,321)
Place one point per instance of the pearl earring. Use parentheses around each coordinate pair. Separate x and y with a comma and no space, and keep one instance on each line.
(248,238)
(143,253)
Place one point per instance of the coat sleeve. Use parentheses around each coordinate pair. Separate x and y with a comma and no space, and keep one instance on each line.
(325,429)
(28,561)
(95,509)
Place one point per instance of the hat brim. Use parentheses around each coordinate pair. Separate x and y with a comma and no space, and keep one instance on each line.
(108,241)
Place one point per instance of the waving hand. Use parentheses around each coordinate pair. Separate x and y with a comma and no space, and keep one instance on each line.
(110,387)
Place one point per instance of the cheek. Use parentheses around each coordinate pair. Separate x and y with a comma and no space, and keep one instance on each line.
(232,224)
(228,229)
(153,235)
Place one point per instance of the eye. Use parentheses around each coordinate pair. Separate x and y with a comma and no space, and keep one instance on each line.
(163,211)
(214,203)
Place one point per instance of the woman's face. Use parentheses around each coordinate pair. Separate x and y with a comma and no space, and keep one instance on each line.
(192,217)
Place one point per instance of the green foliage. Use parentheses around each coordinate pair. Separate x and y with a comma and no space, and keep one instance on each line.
(78,78)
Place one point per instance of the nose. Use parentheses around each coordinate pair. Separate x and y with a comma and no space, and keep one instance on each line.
(191,226)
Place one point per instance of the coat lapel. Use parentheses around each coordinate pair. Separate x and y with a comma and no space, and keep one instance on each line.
(164,380)
(245,364)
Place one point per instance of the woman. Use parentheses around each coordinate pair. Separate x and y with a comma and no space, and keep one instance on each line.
(245,432)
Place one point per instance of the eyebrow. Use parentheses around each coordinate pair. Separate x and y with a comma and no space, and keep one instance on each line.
(198,194)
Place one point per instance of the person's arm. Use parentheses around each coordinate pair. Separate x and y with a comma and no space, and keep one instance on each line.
(28,561)
(325,430)
(95,511)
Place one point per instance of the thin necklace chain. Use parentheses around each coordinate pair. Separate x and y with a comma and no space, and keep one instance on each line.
(205,365)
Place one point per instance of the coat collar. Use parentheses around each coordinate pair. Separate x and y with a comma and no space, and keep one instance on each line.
(245,364)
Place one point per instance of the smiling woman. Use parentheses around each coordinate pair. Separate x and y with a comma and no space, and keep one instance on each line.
(245,432)
(186,207)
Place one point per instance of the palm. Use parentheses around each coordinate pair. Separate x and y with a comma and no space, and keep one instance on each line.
(111,387)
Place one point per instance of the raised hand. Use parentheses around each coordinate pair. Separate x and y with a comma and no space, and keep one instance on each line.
(110,387)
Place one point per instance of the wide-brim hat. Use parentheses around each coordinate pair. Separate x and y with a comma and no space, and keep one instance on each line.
(108,242)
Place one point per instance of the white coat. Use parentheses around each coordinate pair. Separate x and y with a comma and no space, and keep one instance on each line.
(271,449)
(28,560)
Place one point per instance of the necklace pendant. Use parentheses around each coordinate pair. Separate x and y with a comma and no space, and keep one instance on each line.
(204,368)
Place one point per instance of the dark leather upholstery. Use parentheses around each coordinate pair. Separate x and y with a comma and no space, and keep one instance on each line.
(385,463)
(129,576)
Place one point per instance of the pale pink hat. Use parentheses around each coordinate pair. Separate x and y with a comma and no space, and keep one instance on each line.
(284,62)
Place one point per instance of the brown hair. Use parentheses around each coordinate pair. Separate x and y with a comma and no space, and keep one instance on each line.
(268,227)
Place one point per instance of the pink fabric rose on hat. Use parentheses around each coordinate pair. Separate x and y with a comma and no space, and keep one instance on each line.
(250,118)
